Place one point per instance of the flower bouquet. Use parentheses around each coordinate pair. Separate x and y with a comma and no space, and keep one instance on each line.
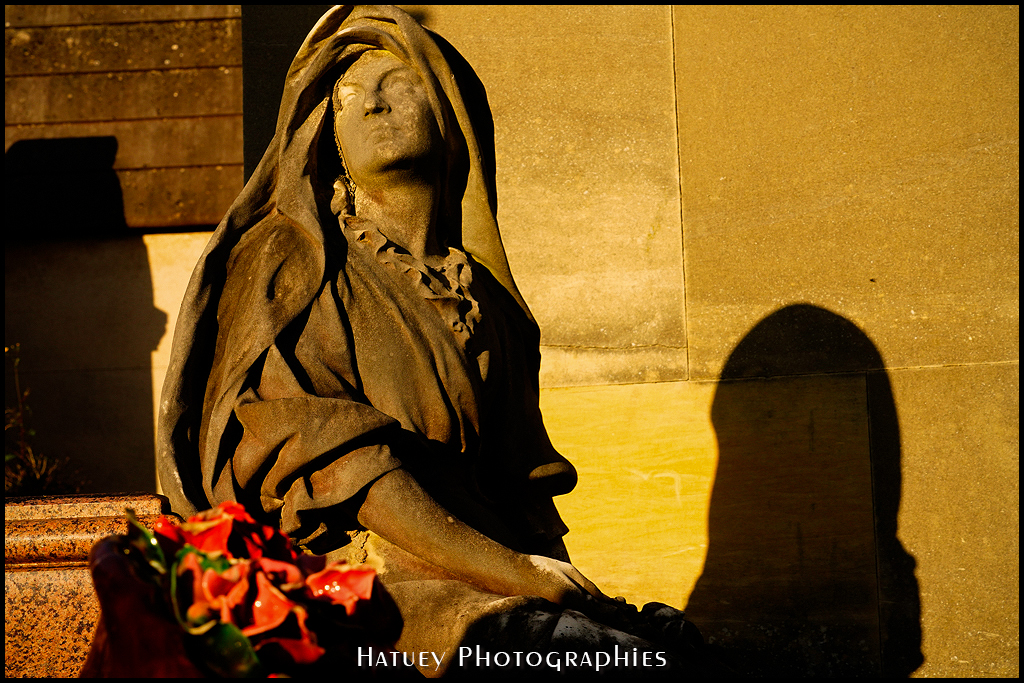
(222,595)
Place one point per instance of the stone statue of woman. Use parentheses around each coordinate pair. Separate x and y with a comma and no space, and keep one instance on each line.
(354,361)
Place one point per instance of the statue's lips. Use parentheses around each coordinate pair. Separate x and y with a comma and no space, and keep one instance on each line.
(381,129)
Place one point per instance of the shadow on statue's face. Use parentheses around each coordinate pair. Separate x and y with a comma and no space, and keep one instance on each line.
(383,120)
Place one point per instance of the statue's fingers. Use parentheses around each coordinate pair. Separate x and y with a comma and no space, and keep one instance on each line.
(586,584)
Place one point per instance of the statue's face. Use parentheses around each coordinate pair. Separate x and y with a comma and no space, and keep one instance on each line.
(383,118)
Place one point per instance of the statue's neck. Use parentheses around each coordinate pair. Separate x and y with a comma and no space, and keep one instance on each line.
(405,212)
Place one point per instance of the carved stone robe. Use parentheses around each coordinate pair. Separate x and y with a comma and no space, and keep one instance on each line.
(393,364)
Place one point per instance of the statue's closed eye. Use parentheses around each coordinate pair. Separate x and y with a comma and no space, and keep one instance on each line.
(347,94)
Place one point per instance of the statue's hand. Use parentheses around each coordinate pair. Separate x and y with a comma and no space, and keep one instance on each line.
(564,585)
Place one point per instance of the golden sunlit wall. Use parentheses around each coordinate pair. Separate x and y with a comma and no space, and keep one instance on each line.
(829,480)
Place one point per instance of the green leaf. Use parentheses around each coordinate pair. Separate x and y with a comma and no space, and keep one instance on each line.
(175,603)
(142,538)
(228,653)
(218,563)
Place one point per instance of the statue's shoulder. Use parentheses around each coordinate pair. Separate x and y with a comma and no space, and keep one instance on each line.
(271,242)
(275,262)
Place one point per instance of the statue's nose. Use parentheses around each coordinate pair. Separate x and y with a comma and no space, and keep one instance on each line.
(374,103)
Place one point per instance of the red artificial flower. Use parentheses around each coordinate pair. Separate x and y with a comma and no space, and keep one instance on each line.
(270,609)
(342,584)
(168,529)
(236,511)
(226,591)
(198,610)
(267,541)
(228,530)
(209,531)
(254,545)
(215,595)
(244,573)
(285,574)
(303,650)
(209,536)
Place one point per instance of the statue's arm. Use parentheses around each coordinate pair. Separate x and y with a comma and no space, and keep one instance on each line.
(398,509)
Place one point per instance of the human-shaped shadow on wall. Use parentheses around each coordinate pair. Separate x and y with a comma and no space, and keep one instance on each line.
(804,573)
(79,301)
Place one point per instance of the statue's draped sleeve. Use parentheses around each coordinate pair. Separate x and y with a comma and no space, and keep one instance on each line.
(304,452)
(267,433)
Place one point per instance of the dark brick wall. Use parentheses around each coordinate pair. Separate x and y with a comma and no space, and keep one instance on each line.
(165,81)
